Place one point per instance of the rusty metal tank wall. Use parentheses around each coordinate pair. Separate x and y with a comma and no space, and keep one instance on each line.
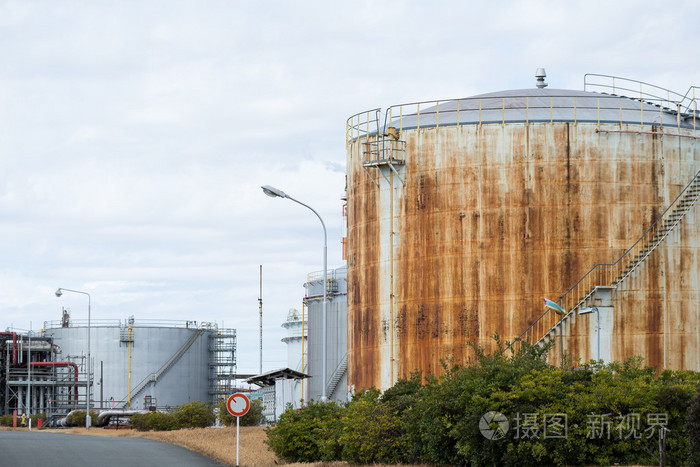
(655,312)
(472,225)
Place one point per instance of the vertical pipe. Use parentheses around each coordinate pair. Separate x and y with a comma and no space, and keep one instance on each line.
(574,110)
(527,110)
(457,112)
(418,117)
(437,115)
(102,375)
(129,382)
(597,313)
(479,111)
(261,322)
(324,396)
(392,355)
(303,343)
(28,410)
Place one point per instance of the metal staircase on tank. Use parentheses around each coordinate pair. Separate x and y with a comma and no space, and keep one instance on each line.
(153,377)
(337,375)
(544,329)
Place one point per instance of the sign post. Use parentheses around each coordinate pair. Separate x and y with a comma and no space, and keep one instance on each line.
(238,405)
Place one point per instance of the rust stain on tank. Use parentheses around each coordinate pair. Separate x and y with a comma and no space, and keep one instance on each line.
(486,220)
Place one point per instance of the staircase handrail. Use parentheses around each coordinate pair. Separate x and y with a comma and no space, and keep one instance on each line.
(559,300)
(150,377)
(337,374)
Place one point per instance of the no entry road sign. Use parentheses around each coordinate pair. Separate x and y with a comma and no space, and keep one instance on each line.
(238,404)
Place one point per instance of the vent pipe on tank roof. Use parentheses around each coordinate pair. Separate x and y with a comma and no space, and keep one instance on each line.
(540,74)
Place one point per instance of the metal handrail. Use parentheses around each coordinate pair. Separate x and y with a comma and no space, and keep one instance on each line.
(561,299)
(637,94)
(53,324)
(356,126)
(367,123)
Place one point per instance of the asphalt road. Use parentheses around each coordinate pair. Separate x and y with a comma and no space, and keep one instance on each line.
(24,448)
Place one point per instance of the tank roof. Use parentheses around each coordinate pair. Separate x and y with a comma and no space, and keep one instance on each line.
(540,105)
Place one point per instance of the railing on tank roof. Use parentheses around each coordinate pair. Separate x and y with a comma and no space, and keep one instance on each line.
(616,85)
(499,110)
(619,86)
(333,274)
(139,322)
(603,273)
(493,109)
(362,124)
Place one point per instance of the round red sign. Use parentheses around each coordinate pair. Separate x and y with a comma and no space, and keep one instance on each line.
(238,404)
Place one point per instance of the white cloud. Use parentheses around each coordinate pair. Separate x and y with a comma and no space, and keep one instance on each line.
(136,135)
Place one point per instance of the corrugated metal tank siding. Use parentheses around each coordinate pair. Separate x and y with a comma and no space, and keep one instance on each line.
(337,325)
(489,220)
(186,381)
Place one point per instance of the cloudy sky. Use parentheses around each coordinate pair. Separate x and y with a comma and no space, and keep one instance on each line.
(135,135)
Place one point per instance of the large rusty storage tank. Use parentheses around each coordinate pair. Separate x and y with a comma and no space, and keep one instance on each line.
(463,215)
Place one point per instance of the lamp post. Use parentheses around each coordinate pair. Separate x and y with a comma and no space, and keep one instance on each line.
(275,193)
(88,420)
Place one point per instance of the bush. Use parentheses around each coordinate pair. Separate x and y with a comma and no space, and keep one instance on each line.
(6,420)
(595,414)
(308,435)
(692,429)
(157,421)
(77,417)
(194,415)
(254,416)
(374,431)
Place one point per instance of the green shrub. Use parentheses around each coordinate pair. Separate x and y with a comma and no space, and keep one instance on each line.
(254,416)
(139,421)
(77,417)
(157,421)
(692,429)
(373,431)
(595,414)
(194,415)
(6,420)
(308,435)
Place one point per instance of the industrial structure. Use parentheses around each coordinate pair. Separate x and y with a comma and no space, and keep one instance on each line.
(464,214)
(135,364)
(296,326)
(336,330)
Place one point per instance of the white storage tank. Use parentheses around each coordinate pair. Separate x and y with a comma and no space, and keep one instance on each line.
(138,363)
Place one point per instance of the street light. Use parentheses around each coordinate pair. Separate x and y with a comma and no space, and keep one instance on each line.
(275,193)
(88,419)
